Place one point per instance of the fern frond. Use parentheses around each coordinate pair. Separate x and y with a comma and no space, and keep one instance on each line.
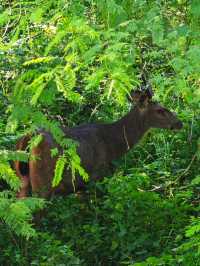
(39,60)
(8,175)
(59,169)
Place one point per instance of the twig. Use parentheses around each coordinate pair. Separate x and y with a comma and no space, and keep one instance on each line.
(187,169)
(9,26)
(125,137)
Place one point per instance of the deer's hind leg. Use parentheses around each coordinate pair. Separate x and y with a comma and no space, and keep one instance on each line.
(42,167)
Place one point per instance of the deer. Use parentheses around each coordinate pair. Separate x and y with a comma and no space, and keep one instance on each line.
(98,145)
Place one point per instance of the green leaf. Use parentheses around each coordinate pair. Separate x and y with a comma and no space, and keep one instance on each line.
(38,85)
(195,8)
(37,14)
(6,155)
(35,141)
(196,180)
(60,166)
(65,82)
(17,215)
(157,32)
(54,152)
(56,40)
(4,17)
(39,60)
(193,230)
(8,175)
(90,55)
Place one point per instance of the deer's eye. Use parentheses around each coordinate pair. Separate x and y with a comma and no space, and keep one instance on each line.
(161,112)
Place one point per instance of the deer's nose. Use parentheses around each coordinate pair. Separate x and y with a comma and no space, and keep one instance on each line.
(177,125)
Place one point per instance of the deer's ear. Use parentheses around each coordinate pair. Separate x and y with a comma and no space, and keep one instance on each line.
(135,96)
(141,98)
(149,92)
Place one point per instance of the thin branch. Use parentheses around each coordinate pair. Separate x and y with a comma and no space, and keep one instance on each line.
(125,137)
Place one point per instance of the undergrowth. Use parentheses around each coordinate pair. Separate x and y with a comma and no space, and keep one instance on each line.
(72,62)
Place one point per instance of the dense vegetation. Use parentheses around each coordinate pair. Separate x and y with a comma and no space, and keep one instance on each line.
(71,62)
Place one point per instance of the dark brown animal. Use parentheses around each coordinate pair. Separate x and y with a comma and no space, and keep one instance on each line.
(99,145)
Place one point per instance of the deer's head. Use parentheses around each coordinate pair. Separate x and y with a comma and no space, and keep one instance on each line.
(154,114)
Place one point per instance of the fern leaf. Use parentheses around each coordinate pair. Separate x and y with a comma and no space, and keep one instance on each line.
(8,175)
(60,166)
(39,60)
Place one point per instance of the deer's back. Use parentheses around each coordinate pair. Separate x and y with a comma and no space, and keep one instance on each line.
(91,146)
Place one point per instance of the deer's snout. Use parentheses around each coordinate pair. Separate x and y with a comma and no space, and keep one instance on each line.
(177,125)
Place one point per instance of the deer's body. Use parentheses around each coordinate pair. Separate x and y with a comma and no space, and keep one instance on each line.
(99,145)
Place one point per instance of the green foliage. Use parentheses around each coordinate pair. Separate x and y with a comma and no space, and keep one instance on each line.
(75,61)
(60,166)
(17,215)
(7,174)
(53,252)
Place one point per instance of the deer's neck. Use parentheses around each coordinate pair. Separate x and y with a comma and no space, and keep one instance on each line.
(126,132)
